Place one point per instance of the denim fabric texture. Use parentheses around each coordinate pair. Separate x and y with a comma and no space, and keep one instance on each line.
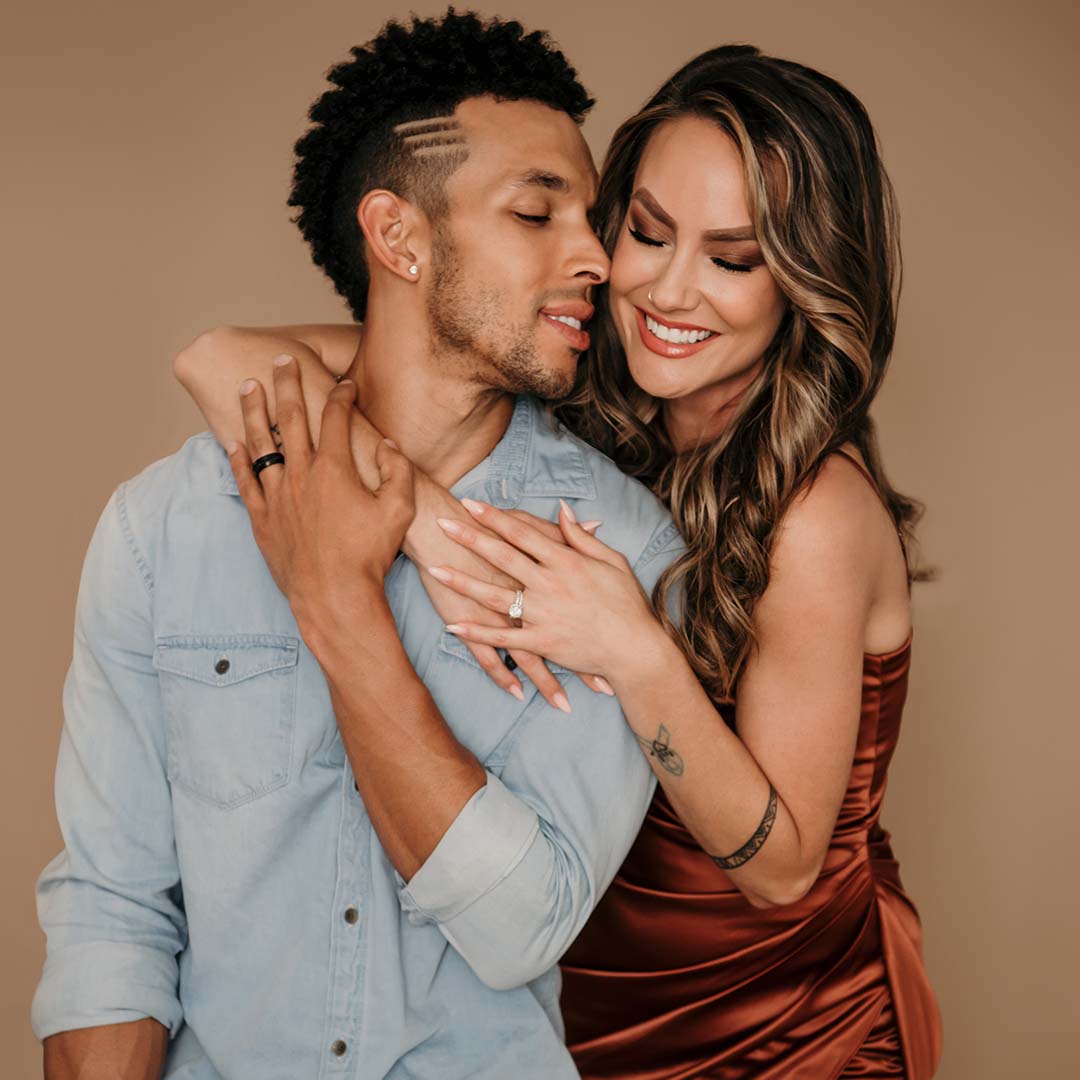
(220,873)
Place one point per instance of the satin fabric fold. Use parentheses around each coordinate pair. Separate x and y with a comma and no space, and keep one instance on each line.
(677,976)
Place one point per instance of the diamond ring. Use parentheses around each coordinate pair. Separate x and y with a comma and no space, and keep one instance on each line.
(517,607)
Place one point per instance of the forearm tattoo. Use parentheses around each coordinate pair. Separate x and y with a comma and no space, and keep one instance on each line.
(660,748)
(753,845)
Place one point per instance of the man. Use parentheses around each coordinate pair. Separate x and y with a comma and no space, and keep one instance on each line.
(298,843)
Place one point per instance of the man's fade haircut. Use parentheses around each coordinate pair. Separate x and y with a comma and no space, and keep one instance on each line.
(387,123)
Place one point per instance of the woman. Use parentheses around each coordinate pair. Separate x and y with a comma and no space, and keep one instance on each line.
(758,927)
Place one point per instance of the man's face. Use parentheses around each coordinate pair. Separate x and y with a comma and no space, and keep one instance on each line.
(513,261)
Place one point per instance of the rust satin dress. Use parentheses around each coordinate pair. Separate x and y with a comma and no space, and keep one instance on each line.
(676,975)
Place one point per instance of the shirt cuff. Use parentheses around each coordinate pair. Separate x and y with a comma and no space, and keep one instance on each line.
(487,839)
(106,982)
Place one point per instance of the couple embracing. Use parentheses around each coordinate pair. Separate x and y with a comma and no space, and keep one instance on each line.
(507,686)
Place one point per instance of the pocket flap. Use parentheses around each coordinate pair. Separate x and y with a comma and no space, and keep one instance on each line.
(226,660)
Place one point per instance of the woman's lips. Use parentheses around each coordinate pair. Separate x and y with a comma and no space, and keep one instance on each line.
(669,349)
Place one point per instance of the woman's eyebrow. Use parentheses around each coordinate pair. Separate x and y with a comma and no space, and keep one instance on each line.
(648,200)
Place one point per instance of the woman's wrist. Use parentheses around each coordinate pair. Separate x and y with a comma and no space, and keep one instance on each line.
(647,656)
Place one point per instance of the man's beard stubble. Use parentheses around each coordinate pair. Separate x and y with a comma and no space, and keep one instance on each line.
(460,317)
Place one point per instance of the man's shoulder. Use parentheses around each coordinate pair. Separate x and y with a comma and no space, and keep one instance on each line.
(197,469)
(635,520)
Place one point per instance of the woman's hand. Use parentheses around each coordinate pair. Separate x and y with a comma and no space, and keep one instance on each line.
(327,539)
(426,543)
(583,607)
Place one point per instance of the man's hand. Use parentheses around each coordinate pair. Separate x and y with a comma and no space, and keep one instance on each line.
(328,540)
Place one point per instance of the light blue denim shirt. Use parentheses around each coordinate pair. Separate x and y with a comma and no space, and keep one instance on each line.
(220,873)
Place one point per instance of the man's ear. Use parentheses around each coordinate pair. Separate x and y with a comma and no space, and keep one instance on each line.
(396,232)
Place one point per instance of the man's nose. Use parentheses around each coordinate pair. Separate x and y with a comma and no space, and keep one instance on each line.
(590,259)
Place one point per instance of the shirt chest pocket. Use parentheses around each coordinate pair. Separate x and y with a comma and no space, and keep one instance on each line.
(229,705)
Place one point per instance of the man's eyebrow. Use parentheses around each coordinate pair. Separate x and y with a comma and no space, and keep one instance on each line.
(648,200)
(540,178)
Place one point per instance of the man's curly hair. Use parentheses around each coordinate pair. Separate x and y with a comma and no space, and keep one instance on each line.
(409,73)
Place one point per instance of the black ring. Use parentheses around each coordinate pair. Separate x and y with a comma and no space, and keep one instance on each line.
(266,461)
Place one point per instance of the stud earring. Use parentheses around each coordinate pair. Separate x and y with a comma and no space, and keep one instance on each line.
(414,269)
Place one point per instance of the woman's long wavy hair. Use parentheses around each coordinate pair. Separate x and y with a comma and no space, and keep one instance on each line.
(825,218)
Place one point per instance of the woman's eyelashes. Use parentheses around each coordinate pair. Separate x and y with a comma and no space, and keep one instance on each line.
(733,267)
(716,260)
(532,219)
(641,238)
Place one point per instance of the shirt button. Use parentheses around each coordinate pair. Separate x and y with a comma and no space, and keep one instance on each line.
(221,666)
(352,916)
(338,1047)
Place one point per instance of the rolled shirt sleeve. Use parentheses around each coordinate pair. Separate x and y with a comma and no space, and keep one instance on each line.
(109,902)
(520,869)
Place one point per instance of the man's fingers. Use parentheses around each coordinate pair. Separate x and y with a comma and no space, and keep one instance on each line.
(291,411)
(257,434)
(249,487)
(395,469)
(336,421)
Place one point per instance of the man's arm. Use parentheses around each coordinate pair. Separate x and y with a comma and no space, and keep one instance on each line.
(109,901)
(509,867)
(132,1051)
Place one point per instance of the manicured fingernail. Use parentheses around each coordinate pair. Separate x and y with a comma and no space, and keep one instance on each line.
(346,384)
(232,448)
(561,701)
(390,442)
(452,527)
(603,685)
(591,526)
(473,506)
(569,513)
(454,628)
(247,386)
(282,360)
(439,574)
(517,691)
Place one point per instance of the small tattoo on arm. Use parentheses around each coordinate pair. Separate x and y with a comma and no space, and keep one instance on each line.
(753,845)
(660,748)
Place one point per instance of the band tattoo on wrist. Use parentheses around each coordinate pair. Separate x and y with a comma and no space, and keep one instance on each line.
(660,748)
(753,845)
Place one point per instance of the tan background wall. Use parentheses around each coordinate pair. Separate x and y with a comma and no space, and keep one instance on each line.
(146,152)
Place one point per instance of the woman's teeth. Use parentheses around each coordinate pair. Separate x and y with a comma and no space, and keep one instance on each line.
(676,337)
(575,323)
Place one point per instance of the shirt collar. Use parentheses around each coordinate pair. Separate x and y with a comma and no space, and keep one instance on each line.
(535,458)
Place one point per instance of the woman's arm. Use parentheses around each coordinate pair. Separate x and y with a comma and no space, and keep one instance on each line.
(214,365)
(762,800)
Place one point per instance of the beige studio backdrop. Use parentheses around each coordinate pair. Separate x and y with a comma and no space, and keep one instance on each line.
(146,159)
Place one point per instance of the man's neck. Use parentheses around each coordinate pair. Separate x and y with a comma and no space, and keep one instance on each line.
(442,422)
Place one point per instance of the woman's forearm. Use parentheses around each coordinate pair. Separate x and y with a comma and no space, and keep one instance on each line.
(719,790)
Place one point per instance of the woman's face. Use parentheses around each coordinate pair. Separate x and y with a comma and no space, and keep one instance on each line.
(693,302)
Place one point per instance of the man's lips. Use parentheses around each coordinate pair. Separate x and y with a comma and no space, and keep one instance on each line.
(670,349)
(578,310)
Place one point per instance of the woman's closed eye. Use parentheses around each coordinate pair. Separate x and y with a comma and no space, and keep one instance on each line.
(533,219)
(641,238)
(724,264)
